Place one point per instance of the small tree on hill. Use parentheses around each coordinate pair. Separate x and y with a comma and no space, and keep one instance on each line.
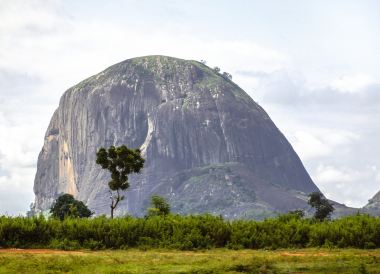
(216,69)
(323,208)
(66,206)
(227,75)
(159,206)
(120,161)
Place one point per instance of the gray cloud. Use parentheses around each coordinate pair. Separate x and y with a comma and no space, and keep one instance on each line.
(291,89)
(13,82)
(333,130)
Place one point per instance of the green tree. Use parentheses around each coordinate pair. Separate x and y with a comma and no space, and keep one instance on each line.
(227,75)
(66,206)
(323,208)
(159,206)
(120,161)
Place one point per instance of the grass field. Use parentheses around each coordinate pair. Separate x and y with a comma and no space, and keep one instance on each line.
(209,261)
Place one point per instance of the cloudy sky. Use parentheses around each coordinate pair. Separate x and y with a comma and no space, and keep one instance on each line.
(313,65)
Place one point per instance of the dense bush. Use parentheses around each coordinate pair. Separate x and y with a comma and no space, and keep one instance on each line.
(67,206)
(189,232)
(159,206)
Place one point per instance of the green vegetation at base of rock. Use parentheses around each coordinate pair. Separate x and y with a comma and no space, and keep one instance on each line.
(189,233)
(260,214)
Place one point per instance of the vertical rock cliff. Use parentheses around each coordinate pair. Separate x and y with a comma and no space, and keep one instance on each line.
(373,206)
(208,146)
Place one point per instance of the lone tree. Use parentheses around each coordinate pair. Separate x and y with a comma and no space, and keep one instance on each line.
(66,206)
(120,161)
(160,207)
(216,69)
(227,75)
(323,208)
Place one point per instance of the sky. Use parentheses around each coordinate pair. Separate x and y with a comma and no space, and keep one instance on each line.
(312,65)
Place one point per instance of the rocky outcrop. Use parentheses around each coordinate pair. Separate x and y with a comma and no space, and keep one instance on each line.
(373,206)
(208,146)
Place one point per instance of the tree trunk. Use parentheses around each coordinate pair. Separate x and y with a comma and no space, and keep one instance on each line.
(114,202)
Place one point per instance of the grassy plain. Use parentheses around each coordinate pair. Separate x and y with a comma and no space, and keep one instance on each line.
(207,261)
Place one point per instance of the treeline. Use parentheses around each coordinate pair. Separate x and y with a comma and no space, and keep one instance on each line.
(188,232)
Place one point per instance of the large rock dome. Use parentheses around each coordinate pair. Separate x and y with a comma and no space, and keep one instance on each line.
(208,146)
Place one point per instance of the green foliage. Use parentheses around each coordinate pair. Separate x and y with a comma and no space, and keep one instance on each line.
(323,208)
(159,206)
(297,213)
(120,161)
(216,69)
(227,75)
(67,206)
(189,232)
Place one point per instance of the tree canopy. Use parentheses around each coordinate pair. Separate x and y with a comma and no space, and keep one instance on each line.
(227,75)
(323,208)
(120,162)
(159,206)
(67,206)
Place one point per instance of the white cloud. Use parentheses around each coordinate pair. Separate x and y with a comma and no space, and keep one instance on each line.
(21,15)
(291,88)
(352,83)
(345,184)
(15,195)
(330,174)
(309,145)
(336,143)
(378,177)
(314,141)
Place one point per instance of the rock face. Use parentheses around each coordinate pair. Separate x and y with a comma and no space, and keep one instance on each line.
(373,206)
(208,146)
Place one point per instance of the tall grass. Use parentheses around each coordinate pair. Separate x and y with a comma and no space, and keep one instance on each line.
(188,232)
